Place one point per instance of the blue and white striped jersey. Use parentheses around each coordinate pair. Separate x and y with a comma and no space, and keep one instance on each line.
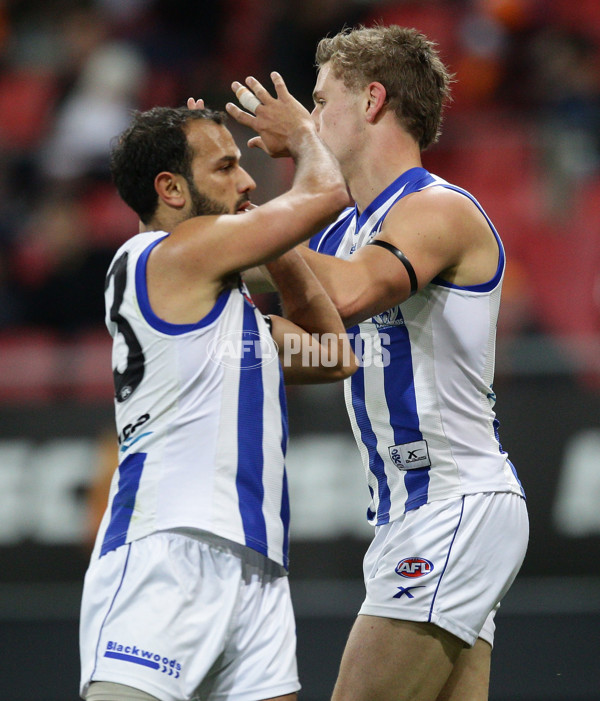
(201,416)
(421,404)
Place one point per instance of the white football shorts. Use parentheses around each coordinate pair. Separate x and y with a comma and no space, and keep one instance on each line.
(449,562)
(181,615)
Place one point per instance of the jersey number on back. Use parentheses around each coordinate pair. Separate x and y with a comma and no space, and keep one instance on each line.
(126,382)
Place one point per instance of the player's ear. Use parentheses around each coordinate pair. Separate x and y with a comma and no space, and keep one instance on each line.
(170,189)
(376,99)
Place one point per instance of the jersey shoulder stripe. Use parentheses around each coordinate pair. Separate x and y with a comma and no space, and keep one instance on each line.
(328,240)
(149,315)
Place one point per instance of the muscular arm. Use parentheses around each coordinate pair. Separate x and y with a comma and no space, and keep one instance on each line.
(313,345)
(215,247)
(441,233)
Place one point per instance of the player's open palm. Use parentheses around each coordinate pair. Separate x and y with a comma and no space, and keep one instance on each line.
(280,121)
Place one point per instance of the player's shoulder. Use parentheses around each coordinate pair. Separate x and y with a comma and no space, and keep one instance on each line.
(439,205)
(441,194)
(141,240)
(130,250)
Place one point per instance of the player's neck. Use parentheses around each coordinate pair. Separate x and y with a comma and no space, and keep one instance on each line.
(389,154)
(165,219)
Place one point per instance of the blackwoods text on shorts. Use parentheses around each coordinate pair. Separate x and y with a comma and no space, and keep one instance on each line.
(248,349)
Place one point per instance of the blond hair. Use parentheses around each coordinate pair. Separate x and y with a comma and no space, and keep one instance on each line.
(405,62)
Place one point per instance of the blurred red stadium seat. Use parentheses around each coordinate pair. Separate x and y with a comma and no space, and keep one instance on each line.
(91,366)
(29,365)
(37,366)
(111,221)
(490,149)
(582,16)
(564,268)
(494,159)
(27,100)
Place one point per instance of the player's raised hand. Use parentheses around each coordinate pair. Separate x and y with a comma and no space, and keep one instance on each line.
(280,121)
(194,104)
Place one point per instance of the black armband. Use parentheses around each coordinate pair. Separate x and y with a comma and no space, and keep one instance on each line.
(412,276)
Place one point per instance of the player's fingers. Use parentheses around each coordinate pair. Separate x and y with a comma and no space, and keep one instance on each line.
(247,99)
(195,104)
(245,96)
(256,142)
(258,89)
(279,84)
(239,115)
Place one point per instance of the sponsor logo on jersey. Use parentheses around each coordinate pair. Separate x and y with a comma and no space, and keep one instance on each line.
(409,456)
(125,392)
(391,317)
(130,433)
(414,567)
(143,657)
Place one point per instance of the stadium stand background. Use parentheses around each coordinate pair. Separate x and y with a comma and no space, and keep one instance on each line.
(523,133)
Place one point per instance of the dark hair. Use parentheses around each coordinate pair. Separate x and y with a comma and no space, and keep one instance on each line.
(155,141)
(405,62)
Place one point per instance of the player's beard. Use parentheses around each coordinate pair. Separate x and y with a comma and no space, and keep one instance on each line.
(203,205)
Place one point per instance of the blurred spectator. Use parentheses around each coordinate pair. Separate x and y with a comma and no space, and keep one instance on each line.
(565,86)
(182,44)
(61,274)
(296,29)
(479,68)
(98,109)
(12,312)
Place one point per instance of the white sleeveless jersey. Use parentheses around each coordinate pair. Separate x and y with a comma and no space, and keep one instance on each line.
(421,404)
(201,417)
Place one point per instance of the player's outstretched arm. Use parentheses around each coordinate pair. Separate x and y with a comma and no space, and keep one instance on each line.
(317,194)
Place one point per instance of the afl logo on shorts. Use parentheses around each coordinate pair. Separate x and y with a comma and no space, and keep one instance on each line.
(414,567)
